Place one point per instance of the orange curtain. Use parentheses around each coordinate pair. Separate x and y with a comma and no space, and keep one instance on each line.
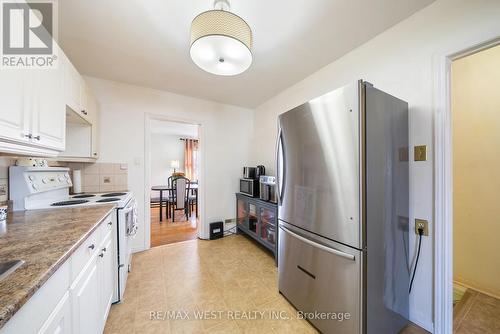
(190,158)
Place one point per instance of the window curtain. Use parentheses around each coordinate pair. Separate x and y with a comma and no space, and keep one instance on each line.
(191,158)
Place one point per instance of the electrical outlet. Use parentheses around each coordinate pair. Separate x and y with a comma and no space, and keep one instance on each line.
(421,223)
(420,153)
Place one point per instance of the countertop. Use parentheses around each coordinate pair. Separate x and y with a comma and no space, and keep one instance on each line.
(44,239)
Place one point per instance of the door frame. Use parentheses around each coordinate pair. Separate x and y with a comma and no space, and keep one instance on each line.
(443,182)
(148,117)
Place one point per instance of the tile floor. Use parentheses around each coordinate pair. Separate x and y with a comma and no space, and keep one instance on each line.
(228,275)
(476,313)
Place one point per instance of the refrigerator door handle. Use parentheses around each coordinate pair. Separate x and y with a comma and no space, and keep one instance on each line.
(280,168)
(319,246)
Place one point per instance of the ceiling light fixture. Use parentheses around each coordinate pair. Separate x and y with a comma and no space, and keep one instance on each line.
(221,42)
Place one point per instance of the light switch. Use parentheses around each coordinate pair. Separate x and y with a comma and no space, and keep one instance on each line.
(420,153)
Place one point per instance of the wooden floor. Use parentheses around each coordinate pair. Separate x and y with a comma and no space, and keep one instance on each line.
(168,232)
(476,313)
(172,285)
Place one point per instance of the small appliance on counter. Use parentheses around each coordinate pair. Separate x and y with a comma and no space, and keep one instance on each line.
(249,187)
(259,171)
(249,172)
(268,188)
(249,184)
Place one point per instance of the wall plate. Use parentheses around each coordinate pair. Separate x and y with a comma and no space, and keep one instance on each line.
(420,153)
(422,223)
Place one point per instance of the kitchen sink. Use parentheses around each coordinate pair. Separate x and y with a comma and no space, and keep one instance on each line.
(7,268)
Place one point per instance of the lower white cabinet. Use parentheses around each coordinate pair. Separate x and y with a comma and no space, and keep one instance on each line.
(77,297)
(59,321)
(107,278)
(85,300)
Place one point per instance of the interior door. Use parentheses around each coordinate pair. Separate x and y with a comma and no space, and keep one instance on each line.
(319,166)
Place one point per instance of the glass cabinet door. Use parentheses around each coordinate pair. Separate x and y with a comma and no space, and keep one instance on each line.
(252,218)
(242,213)
(267,225)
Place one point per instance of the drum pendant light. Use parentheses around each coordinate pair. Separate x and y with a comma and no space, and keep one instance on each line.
(221,42)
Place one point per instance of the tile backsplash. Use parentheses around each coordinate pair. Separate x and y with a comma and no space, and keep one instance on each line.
(101,176)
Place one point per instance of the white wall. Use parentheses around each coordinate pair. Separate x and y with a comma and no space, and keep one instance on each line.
(164,149)
(398,61)
(226,134)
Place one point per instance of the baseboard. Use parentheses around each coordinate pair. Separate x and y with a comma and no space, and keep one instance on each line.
(469,286)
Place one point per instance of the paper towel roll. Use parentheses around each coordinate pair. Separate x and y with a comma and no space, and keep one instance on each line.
(77,181)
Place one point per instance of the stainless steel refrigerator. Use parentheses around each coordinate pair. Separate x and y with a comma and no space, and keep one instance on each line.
(342,165)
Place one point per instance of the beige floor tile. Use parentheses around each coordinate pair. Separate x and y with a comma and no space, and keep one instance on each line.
(228,275)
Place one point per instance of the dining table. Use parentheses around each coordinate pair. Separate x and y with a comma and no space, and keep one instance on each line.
(162,188)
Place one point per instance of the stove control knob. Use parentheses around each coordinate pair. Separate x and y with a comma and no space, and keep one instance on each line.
(35,186)
(44,180)
(60,177)
(31,177)
(66,176)
(68,181)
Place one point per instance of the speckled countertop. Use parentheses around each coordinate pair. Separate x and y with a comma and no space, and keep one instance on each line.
(44,239)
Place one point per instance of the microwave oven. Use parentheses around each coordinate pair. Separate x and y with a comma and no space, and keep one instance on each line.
(249,187)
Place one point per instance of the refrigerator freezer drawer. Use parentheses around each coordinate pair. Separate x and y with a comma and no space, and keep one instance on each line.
(322,281)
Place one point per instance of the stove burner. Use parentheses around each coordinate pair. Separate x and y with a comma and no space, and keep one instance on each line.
(83,196)
(113,194)
(64,203)
(113,199)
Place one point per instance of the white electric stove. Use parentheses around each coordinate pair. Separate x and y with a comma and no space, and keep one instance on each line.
(35,188)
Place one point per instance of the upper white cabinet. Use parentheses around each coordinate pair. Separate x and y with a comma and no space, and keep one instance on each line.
(33,109)
(49,111)
(32,117)
(14,113)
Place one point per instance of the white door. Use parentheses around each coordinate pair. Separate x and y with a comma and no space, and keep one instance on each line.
(49,109)
(107,272)
(59,321)
(14,114)
(86,301)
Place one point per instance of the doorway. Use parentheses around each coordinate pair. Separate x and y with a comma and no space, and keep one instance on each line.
(173,188)
(475,129)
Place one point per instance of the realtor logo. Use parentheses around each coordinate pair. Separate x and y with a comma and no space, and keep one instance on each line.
(27,34)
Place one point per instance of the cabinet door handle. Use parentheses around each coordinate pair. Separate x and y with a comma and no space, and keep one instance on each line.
(104,249)
(110,223)
(84,112)
(37,137)
(101,255)
(92,246)
(29,135)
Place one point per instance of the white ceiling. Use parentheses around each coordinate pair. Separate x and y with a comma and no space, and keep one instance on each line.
(174,129)
(146,43)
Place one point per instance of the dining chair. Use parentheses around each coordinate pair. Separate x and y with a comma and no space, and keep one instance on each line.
(179,195)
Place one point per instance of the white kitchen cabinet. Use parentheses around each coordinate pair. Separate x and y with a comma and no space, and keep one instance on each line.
(107,273)
(49,111)
(94,112)
(32,111)
(59,321)
(72,84)
(86,299)
(14,113)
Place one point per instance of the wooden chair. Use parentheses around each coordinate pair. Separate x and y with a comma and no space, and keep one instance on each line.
(179,197)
